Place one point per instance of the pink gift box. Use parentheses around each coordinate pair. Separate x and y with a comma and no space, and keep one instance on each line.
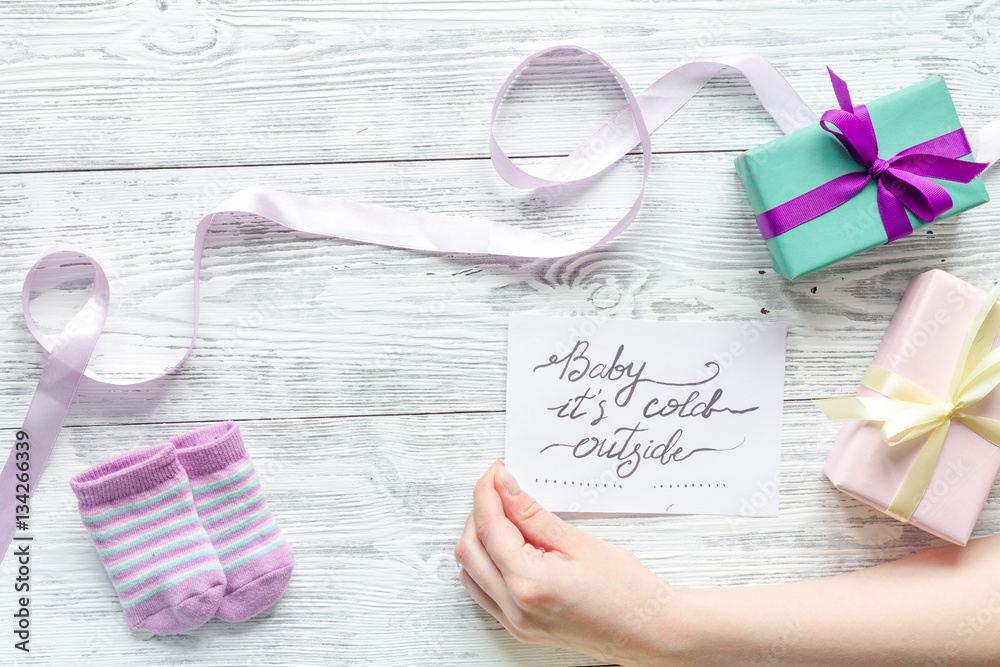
(923,343)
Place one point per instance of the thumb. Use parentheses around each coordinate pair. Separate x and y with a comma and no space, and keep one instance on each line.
(538,526)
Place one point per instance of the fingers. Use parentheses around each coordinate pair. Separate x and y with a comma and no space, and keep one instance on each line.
(480,596)
(501,538)
(537,525)
(487,603)
(476,563)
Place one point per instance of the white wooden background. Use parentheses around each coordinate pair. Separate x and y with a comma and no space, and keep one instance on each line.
(369,382)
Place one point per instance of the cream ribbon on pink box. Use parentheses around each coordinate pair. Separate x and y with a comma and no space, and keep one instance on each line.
(909,411)
(70,351)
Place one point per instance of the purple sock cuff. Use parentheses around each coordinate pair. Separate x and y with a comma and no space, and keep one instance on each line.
(210,449)
(127,475)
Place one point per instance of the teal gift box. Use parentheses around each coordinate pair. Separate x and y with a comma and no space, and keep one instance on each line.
(800,161)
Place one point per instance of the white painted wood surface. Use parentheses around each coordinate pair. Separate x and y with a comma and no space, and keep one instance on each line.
(369,382)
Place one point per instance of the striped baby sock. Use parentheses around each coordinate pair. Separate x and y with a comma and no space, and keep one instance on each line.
(138,509)
(255,557)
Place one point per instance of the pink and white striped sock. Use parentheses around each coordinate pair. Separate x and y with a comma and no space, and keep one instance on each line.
(254,555)
(139,511)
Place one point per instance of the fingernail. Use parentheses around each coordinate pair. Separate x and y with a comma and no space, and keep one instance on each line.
(509,482)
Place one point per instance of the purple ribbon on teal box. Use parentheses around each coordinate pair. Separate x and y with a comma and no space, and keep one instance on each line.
(903,180)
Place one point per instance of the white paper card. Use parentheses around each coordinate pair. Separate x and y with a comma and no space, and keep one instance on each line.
(646,417)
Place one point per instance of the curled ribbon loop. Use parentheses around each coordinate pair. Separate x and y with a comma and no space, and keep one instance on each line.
(909,411)
(903,181)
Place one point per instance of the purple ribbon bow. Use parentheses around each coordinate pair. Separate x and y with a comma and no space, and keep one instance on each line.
(904,180)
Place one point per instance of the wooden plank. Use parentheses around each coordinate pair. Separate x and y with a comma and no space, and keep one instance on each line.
(372,508)
(287,81)
(300,326)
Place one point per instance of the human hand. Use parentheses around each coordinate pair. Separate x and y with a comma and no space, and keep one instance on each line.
(551,583)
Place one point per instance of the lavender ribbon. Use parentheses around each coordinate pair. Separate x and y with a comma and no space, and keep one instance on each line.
(903,180)
(69,354)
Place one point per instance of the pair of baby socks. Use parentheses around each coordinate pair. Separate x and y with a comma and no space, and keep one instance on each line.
(184,531)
